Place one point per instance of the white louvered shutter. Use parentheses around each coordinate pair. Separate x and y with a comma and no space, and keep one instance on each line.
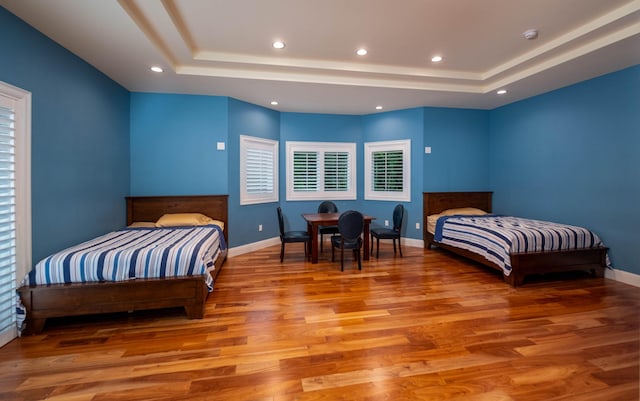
(259,171)
(336,171)
(7,222)
(305,171)
(387,171)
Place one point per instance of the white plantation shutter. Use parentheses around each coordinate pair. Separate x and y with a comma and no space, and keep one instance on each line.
(258,170)
(305,171)
(336,171)
(7,218)
(321,170)
(388,170)
(15,202)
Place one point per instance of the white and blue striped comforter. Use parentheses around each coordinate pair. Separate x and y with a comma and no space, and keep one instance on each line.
(495,237)
(134,253)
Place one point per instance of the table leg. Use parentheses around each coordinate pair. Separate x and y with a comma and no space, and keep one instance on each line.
(313,231)
(309,243)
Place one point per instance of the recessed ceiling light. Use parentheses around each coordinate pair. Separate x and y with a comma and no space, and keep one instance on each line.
(278,44)
(155,68)
(501,92)
(436,59)
(530,34)
(361,52)
(274,103)
(378,107)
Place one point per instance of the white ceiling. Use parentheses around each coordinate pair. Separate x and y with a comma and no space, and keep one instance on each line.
(223,47)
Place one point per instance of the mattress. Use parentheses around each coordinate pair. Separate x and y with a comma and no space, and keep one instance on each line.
(134,253)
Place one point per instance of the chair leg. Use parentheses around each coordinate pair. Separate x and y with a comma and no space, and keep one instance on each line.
(400,247)
(321,242)
(333,252)
(359,260)
(394,245)
(341,259)
(282,252)
(377,248)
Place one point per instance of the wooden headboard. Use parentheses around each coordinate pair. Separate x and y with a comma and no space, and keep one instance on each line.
(151,208)
(436,202)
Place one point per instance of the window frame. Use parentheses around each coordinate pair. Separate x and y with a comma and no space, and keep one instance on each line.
(322,148)
(250,142)
(403,145)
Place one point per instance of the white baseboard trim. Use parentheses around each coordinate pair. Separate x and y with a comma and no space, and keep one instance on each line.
(613,274)
(254,246)
(416,243)
(623,277)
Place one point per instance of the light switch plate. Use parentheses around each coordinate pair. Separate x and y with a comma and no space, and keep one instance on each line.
(220,146)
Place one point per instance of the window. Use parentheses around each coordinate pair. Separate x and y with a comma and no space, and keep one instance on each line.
(388,170)
(258,170)
(321,170)
(15,201)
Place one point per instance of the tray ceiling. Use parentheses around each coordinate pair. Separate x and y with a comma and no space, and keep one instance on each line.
(223,47)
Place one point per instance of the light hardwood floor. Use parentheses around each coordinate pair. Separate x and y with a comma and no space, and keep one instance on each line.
(429,326)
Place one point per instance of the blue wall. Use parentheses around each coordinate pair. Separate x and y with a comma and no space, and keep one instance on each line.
(572,156)
(459,158)
(249,119)
(389,126)
(173,144)
(80,139)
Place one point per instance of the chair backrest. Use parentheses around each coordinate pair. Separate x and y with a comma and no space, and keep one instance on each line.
(327,207)
(398,216)
(351,224)
(280,221)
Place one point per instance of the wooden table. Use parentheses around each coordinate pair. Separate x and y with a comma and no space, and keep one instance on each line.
(331,219)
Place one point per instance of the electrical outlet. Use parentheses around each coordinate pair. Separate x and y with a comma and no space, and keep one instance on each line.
(386,223)
(417,226)
(259,227)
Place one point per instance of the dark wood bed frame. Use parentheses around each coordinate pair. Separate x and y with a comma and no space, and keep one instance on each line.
(57,300)
(592,260)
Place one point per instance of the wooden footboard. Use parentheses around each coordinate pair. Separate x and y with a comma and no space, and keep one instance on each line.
(592,260)
(57,300)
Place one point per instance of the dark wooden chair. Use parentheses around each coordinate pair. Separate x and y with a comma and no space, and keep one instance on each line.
(327,207)
(350,226)
(385,233)
(291,236)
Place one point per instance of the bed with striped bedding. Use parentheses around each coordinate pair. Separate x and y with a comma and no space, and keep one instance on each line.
(519,263)
(496,238)
(134,253)
(138,268)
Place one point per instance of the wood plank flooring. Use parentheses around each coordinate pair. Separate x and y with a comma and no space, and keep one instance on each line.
(429,326)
